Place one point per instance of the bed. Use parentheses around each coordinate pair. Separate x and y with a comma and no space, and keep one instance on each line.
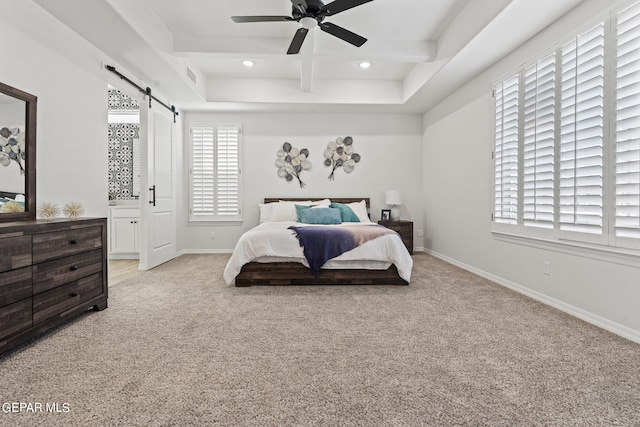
(271,253)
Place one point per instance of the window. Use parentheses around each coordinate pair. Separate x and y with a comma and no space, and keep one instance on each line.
(215,172)
(582,133)
(567,139)
(506,152)
(538,161)
(627,153)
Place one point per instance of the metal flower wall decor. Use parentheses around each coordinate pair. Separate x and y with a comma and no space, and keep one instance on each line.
(12,147)
(291,162)
(340,153)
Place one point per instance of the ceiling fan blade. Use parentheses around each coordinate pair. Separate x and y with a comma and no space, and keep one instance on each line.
(338,6)
(343,34)
(297,41)
(241,19)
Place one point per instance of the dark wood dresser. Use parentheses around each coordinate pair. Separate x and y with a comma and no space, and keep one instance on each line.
(49,272)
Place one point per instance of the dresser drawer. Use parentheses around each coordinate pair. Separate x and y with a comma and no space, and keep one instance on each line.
(51,274)
(57,244)
(67,297)
(15,252)
(15,285)
(15,318)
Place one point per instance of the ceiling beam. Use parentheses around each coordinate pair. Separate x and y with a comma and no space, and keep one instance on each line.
(332,91)
(256,47)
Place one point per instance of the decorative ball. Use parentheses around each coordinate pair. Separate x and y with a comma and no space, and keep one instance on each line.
(48,210)
(12,207)
(73,209)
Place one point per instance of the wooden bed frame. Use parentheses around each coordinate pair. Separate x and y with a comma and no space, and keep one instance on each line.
(292,273)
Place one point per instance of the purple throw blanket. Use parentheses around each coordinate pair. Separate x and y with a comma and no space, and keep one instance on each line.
(322,243)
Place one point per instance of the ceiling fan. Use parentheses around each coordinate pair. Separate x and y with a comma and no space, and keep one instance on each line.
(311,14)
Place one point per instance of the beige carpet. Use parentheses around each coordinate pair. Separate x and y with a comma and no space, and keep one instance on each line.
(178,347)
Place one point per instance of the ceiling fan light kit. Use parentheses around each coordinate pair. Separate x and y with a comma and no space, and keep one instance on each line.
(308,22)
(310,14)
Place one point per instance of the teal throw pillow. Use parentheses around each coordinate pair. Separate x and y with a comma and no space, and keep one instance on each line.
(299,209)
(346,213)
(321,216)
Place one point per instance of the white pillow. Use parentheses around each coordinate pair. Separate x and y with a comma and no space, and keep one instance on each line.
(284,211)
(324,203)
(360,209)
(265,212)
(301,202)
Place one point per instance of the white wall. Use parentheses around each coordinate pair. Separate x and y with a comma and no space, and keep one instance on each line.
(390,145)
(458,193)
(44,58)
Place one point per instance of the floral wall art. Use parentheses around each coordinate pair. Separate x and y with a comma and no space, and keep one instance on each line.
(340,153)
(12,146)
(291,162)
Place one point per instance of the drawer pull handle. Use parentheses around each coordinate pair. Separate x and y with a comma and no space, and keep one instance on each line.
(73,241)
(74,294)
(74,267)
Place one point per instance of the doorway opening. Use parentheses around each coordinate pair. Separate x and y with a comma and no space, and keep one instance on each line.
(124,175)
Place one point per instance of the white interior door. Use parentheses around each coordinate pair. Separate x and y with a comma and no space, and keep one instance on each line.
(158,182)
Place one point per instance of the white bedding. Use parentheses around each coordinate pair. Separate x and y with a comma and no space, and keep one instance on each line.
(273,242)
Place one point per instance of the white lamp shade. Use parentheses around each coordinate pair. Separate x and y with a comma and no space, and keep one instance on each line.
(393,197)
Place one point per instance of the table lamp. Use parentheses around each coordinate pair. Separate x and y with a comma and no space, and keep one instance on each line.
(394,199)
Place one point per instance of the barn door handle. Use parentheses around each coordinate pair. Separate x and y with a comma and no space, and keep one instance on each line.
(153,199)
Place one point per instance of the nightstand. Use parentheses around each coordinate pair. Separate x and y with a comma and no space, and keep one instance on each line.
(404,228)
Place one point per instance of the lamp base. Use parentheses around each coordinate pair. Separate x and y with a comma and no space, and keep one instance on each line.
(395,213)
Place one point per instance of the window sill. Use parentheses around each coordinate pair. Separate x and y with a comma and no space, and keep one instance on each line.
(622,256)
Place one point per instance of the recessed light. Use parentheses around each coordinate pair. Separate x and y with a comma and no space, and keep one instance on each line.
(248,63)
(365,65)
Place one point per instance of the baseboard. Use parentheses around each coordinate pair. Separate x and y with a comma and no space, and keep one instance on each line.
(587,316)
(205,251)
(124,256)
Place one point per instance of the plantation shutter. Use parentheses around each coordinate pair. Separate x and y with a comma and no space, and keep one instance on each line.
(215,173)
(627,172)
(506,152)
(539,139)
(582,133)
(228,168)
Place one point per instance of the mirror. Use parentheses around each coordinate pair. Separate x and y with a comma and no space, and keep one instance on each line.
(17,154)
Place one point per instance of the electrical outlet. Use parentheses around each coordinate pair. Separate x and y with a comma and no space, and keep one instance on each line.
(546,268)
(213,235)
(420,233)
